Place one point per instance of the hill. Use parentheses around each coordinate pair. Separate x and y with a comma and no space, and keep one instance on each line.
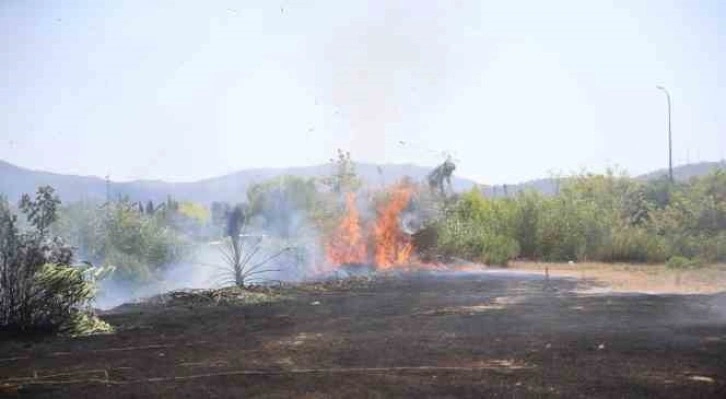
(549,186)
(685,172)
(15,180)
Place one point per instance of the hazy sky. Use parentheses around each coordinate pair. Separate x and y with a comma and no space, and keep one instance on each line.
(514,89)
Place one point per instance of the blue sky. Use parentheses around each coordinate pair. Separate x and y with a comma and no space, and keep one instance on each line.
(514,89)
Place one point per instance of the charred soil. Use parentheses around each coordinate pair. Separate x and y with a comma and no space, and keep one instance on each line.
(417,335)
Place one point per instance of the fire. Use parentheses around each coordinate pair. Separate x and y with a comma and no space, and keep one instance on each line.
(390,246)
(346,245)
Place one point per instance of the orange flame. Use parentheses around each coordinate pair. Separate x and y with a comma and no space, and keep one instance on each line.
(392,246)
(346,245)
(389,245)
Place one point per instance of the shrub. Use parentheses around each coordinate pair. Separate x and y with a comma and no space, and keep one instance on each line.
(594,217)
(560,231)
(498,249)
(633,244)
(713,249)
(680,262)
(474,242)
(138,245)
(40,290)
(528,206)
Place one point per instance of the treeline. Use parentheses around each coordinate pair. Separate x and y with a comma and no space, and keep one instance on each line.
(607,218)
(141,239)
(51,254)
(136,242)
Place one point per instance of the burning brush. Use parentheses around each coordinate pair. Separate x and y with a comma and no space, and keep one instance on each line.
(380,244)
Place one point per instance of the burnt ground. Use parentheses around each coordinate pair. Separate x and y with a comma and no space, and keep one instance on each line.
(423,335)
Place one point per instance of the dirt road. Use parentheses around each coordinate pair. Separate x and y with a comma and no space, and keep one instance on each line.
(492,334)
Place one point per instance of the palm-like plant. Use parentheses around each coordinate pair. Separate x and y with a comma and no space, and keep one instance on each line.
(245,261)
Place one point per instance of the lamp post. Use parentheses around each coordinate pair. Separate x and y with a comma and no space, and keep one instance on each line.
(670,141)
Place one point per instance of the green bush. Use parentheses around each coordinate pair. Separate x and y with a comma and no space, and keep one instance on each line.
(568,230)
(478,229)
(527,219)
(40,290)
(633,244)
(472,242)
(593,217)
(680,262)
(498,249)
(139,245)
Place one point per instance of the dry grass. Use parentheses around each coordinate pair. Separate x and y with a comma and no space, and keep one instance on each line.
(619,277)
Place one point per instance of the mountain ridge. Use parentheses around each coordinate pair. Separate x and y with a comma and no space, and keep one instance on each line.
(16,180)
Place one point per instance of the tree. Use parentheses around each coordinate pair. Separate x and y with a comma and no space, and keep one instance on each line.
(635,208)
(41,212)
(282,205)
(40,288)
(140,246)
(344,178)
(527,222)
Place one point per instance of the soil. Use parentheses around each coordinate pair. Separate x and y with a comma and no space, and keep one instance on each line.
(435,334)
(641,278)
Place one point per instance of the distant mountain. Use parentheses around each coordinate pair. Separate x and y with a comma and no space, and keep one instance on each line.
(547,186)
(550,186)
(14,181)
(685,172)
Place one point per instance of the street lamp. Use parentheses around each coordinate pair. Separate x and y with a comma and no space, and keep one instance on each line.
(670,141)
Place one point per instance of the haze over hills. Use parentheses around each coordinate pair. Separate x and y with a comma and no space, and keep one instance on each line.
(685,172)
(15,180)
(550,186)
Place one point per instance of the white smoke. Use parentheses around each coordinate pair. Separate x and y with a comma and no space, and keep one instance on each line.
(280,228)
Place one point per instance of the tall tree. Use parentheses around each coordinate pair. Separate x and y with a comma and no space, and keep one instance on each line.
(42,211)
(344,178)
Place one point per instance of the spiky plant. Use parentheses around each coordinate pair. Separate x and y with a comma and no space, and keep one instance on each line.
(245,260)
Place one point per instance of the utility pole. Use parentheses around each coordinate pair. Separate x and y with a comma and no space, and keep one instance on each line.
(670,140)
(108,189)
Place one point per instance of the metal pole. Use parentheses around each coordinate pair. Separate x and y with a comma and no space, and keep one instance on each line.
(108,189)
(670,140)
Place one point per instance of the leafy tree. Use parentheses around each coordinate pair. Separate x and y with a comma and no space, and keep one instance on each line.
(635,208)
(138,245)
(283,205)
(344,178)
(41,212)
(526,223)
(40,288)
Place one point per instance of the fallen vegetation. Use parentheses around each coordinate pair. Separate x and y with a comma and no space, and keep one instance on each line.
(224,296)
